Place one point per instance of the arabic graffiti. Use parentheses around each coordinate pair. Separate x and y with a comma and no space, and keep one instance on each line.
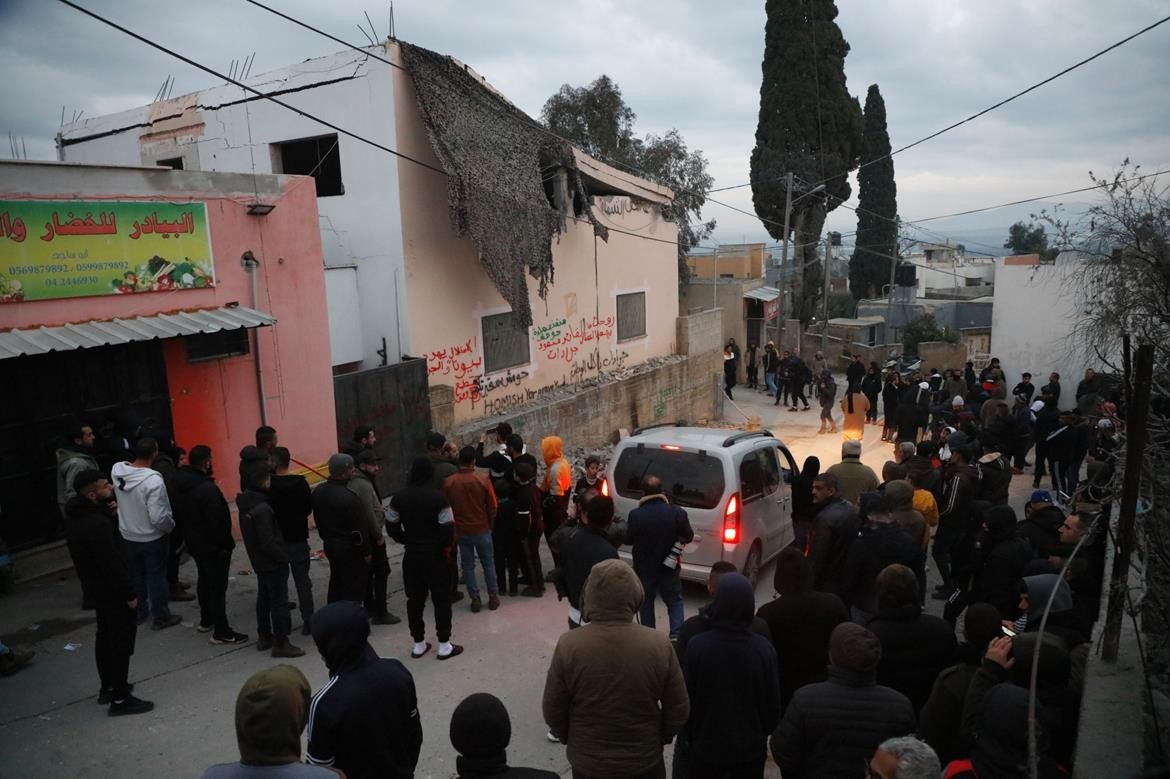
(561,341)
(102,248)
(455,360)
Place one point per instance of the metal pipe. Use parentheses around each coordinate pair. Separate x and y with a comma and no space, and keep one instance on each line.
(252,265)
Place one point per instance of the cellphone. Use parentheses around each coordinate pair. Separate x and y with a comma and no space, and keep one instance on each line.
(1008,632)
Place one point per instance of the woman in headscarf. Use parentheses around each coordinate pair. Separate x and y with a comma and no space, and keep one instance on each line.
(856,408)
(728,371)
(803,513)
(891,390)
(826,393)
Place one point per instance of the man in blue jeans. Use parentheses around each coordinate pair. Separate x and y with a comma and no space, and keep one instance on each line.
(657,531)
(473,501)
(145,522)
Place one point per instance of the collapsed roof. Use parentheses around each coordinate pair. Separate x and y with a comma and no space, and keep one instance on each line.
(496,158)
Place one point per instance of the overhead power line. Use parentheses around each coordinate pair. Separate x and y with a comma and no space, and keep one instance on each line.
(247,88)
(990,108)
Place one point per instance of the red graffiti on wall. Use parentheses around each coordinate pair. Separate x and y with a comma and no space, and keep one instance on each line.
(456,360)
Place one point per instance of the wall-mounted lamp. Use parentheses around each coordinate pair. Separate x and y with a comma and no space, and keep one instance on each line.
(260,209)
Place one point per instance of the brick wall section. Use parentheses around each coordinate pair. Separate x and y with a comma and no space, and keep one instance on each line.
(700,333)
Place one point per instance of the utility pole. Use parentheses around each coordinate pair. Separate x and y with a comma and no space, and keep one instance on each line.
(1135,444)
(825,301)
(784,243)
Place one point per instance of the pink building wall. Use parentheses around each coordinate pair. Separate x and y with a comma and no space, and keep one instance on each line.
(217,402)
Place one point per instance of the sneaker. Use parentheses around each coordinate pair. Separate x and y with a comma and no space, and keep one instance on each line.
(263,643)
(163,624)
(107,696)
(420,649)
(130,705)
(532,592)
(456,650)
(476,604)
(180,596)
(385,618)
(13,660)
(552,739)
(231,637)
(282,648)
(204,628)
(493,601)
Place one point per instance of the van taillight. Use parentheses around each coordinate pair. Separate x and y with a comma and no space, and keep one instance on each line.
(731,521)
(605,487)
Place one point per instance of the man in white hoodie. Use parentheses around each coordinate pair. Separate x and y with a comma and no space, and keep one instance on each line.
(145,521)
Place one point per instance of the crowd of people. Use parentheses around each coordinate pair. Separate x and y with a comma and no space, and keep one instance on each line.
(844,664)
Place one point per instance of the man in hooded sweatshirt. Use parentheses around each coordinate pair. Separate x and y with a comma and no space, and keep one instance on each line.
(272,710)
(99,556)
(879,543)
(614,693)
(657,531)
(145,520)
(1000,750)
(556,488)
(341,523)
(364,720)
(75,455)
(829,726)
(269,558)
(734,686)
(480,732)
(420,518)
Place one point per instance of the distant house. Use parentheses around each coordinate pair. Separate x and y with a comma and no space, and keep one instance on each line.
(510,260)
(949,267)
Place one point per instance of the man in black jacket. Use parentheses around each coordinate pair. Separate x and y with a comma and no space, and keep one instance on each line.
(585,548)
(954,512)
(269,558)
(340,523)
(420,519)
(202,509)
(1000,557)
(800,621)
(881,542)
(701,622)
(91,531)
(480,732)
(657,531)
(1041,525)
(831,536)
(916,647)
(734,687)
(829,726)
(364,720)
(292,500)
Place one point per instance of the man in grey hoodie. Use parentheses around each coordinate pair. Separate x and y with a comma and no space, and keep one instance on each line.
(145,521)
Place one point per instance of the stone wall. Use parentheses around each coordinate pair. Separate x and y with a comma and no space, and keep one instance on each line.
(942,355)
(839,353)
(700,333)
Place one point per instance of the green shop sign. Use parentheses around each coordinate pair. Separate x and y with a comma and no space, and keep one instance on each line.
(51,249)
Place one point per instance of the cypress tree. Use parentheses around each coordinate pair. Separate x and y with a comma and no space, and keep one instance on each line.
(809,125)
(877,230)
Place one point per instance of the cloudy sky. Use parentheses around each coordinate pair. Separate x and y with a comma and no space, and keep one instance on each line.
(689,64)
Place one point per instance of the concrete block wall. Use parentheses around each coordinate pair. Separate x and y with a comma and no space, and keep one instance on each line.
(942,355)
(681,388)
(700,333)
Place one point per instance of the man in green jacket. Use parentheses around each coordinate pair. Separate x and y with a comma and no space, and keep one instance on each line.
(363,485)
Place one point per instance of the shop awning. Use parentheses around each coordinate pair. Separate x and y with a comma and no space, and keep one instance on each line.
(107,332)
(765,294)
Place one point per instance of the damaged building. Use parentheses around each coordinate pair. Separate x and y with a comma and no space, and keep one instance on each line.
(454,228)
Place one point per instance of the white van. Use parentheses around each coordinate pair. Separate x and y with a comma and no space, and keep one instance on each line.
(736,488)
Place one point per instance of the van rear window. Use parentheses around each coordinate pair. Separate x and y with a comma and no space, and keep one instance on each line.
(690,479)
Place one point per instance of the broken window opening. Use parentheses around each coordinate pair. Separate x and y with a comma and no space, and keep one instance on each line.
(317,157)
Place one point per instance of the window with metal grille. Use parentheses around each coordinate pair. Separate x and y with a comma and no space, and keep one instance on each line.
(214,346)
(631,316)
(316,157)
(505,344)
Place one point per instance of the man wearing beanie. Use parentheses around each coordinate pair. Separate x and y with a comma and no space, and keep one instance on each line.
(271,712)
(828,727)
(340,523)
(363,721)
(480,733)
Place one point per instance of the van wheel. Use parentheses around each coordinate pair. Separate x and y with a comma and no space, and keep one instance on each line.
(751,566)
